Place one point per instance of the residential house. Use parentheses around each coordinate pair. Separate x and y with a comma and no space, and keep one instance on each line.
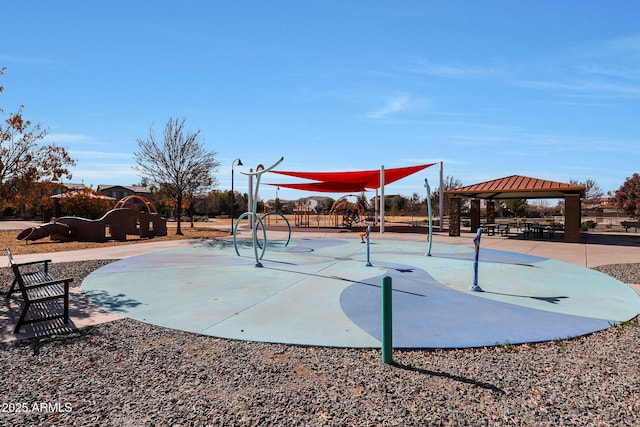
(121,191)
(66,188)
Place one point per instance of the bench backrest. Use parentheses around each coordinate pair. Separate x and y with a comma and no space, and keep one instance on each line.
(16,272)
(19,279)
(10,256)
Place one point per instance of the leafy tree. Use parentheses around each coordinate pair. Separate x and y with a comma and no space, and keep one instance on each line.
(396,204)
(278,205)
(627,196)
(85,203)
(512,207)
(27,169)
(179,163)
(361,200)
(219,202)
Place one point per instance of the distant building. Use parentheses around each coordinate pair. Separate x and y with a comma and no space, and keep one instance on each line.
(304,203)
(121,191)
(286,206)
(67,187)
(602,207)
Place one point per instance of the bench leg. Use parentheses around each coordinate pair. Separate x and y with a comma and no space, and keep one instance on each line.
(12,288)
(23,315)
(66,304)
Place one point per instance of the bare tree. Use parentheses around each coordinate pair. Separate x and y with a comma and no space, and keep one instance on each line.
(448,183)
(178,163)
(592,189)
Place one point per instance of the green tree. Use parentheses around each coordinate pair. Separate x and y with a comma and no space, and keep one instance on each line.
(179,163)
(396,204)
(627,197)
(514,207)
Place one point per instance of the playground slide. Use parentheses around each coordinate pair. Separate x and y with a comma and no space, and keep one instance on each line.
(56,230)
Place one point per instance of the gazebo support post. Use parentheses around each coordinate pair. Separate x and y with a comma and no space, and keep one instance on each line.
(491,212)
(572,218)
(475,215)
(454,216)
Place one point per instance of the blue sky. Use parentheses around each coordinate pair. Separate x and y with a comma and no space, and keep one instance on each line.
(548,89)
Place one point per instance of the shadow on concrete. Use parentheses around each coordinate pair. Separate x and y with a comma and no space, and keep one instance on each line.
(114,303)
(611,239)
(82,312)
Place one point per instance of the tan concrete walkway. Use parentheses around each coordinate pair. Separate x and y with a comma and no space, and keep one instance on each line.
(596,249)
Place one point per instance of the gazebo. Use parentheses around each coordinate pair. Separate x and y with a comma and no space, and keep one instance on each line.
(517,187)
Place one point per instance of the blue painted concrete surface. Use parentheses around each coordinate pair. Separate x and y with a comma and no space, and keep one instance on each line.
(320,292)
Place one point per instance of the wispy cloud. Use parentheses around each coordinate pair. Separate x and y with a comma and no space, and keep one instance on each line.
(393,105)
(102,155)
(586,87)
(622,47)
(397,104)
(67,138)
(25,59)
(81,147)
(609,69)
(110,173)
(421,66)
(425,160)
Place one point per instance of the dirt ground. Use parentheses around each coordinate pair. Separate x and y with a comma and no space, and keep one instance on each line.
(199,231)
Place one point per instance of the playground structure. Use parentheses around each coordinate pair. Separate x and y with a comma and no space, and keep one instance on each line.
(345,213)
(302,215)
(133,215)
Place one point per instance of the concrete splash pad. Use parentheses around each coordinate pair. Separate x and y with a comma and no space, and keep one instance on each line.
(320,292)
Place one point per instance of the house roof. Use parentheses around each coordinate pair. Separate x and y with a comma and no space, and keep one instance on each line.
(72,186)
(518,187)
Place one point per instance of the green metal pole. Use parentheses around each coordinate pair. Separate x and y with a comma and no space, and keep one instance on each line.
(260,170)
(387,330)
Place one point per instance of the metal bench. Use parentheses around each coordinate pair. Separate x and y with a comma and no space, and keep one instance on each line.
(38,289)
(628,224)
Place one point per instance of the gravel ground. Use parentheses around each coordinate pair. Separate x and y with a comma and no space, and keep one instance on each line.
(128,373)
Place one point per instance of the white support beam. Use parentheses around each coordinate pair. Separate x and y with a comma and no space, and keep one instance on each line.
(381,199)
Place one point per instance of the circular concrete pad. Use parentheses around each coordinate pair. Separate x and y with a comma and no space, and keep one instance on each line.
(321,292)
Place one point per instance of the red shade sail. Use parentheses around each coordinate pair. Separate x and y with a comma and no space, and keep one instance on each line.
(340,182)
(327,187)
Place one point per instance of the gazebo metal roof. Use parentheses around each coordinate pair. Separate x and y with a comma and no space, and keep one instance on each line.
(518,187)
